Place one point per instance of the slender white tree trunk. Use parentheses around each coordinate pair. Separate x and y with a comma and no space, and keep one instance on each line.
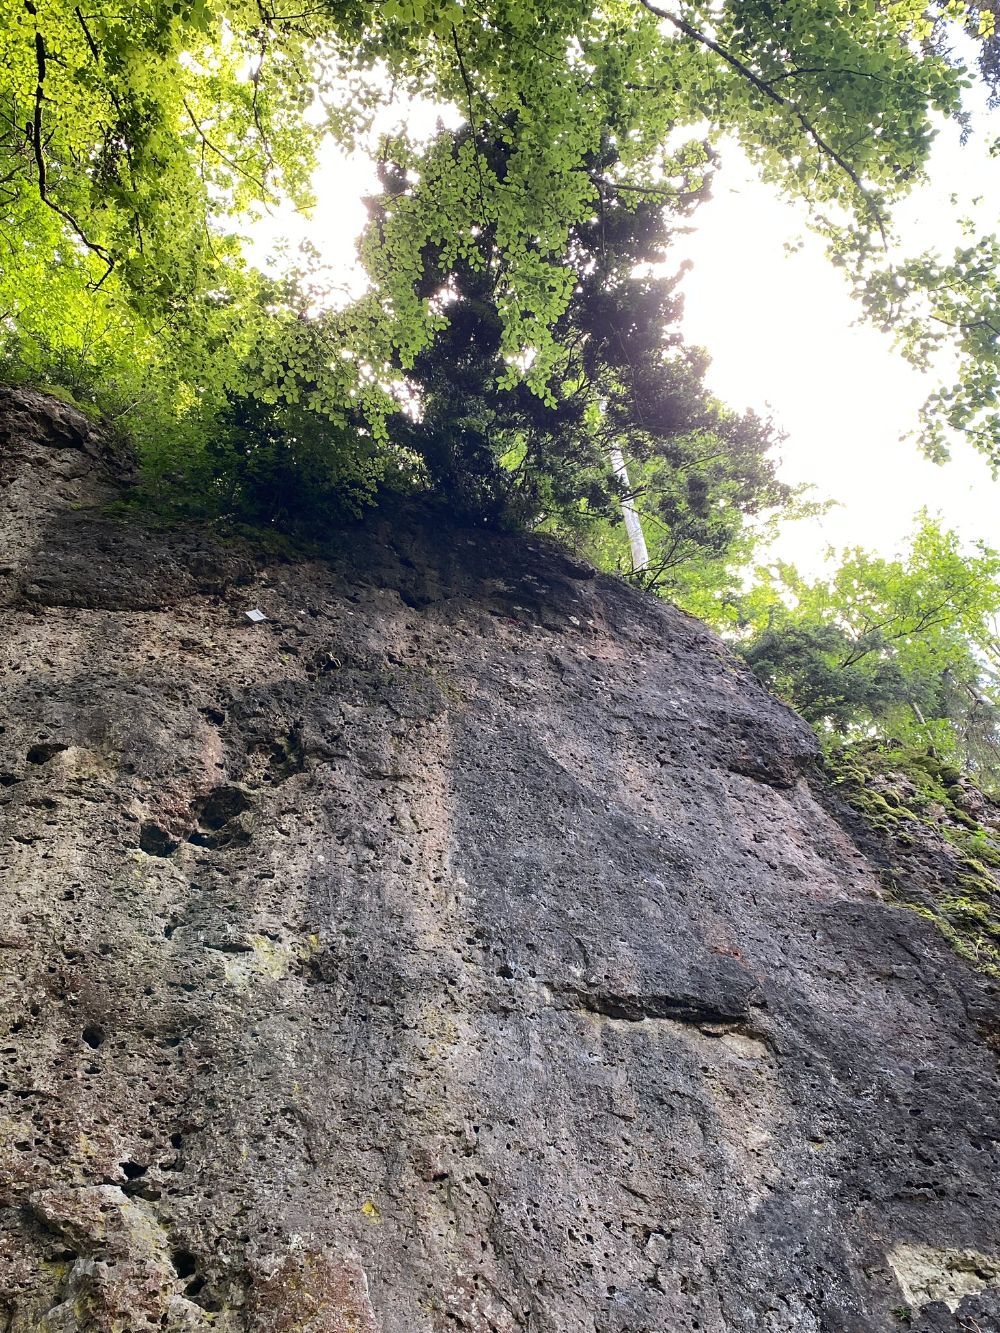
(633,524)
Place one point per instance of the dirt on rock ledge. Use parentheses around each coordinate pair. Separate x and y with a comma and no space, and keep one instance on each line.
(464,947)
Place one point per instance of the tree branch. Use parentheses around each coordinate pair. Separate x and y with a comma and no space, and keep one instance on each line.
(472,122)
(663,191)
(116,101)
(767,90)
(207,143)
(825,69)
(38,149)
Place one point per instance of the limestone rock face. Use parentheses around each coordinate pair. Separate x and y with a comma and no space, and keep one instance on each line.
(468,945)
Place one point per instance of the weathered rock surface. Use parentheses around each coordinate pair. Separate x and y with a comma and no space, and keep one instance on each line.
(468,946)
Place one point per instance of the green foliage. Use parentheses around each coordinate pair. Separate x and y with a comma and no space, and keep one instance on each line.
(813,666)
(285,467)
(623,380)
(133,138)
(904,649)
(127,135)
(940,308)
(707,502)
(910,799)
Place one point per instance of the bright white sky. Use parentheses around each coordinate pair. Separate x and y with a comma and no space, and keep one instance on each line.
(780,330)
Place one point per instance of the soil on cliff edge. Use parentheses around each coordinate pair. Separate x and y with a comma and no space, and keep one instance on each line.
(464,946)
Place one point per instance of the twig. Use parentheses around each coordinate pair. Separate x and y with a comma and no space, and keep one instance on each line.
(207,143)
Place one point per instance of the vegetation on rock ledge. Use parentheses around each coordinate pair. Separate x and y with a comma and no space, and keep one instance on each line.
(939,839)
(904,650)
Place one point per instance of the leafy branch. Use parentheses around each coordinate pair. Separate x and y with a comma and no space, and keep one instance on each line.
(767,89)
(36,139)
(214,148)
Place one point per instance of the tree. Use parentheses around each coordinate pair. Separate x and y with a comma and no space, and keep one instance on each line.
(624,387)
(133,136)
(904,650)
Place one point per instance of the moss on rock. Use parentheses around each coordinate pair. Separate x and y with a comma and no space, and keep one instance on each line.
(939,838)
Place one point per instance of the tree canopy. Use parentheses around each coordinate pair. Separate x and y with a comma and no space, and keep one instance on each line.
(134,137)
(905,651)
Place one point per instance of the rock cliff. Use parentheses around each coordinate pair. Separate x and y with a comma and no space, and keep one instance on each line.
(472,944)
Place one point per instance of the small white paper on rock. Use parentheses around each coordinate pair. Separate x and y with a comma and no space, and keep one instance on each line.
(256,615)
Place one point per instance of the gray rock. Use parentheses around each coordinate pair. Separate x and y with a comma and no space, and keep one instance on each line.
(472,945)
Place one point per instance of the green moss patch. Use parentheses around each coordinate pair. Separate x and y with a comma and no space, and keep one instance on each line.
(939,840)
